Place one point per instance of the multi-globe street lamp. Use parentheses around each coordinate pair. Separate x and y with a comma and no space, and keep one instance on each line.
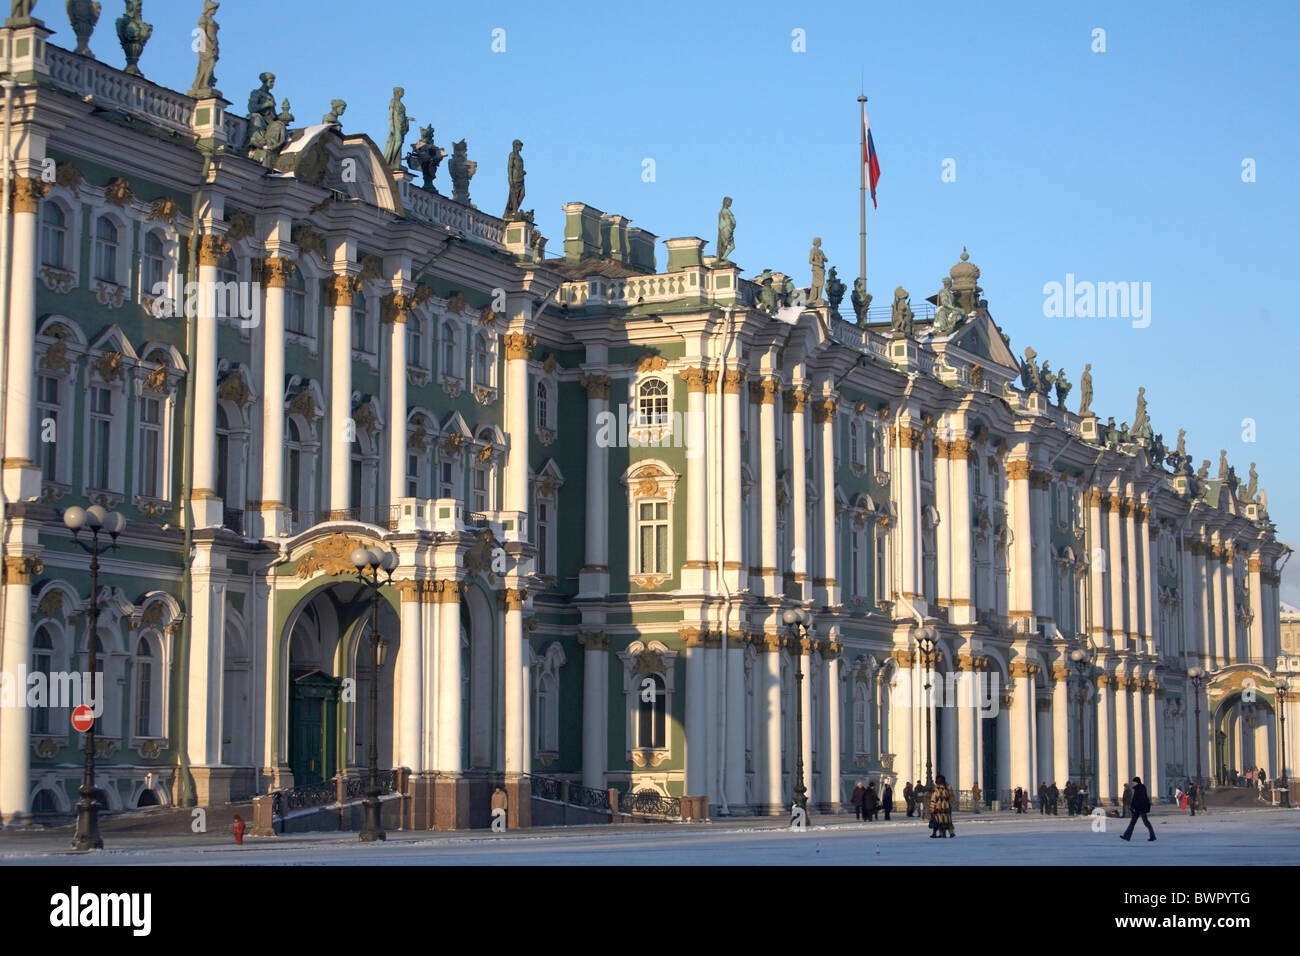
(1081,661)
(370,563)
(926,638)
(1198,677)
(97,520)
(1283,695)
(799,620)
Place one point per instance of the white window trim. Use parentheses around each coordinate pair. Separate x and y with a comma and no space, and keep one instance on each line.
(485,392)
(652,435)
(649,480)
(309,338)
(633,673)
(63,280)
(160,691)
(112,295)
(452,378)
(548,428)
(550,665)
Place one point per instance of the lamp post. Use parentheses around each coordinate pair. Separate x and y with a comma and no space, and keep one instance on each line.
(1198,677)
(369,562)
(98,520)
(799,620)
(1283,695)
(1079,658)
(925,640)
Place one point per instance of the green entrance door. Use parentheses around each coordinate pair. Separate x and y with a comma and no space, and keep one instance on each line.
(313,728)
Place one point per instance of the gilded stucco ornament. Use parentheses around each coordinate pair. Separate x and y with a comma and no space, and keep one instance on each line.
(133,33)
(399,124)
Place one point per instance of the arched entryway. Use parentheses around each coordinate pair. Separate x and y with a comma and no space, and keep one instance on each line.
(1242,729)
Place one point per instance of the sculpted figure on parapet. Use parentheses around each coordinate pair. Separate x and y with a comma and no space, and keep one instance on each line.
(1085,391)
(726,231)
(901,315)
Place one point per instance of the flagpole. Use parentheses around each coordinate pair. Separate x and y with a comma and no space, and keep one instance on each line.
(862,176)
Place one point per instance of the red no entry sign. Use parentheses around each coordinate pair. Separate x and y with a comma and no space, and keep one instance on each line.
(82,718)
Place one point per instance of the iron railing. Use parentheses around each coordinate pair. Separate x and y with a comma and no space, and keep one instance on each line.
(650,803)
(547,788)
(588,797)
(312,795)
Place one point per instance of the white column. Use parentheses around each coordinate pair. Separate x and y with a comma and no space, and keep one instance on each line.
(730,486)
(1155,753)
(1222,607)
(804,649)
(712,717)
(948,762)
(696,569)
(969,769)
(1114,564)
(516,668)
(595,707)
(410,664)
(764,393)
(1134,615)
(450,759)
(1123,732)
(207,507)
(1061,723)
(21,474)
(1005,786)
(1201,585)
(697,763)
(1022,731)
(1138,715)
(735,704)
(596,558)
(958,519)
(1045,752)
(902,707)
(769,729)
(1097,568)
(797,403)
(15,744)
(517,348)
(824,412)
(943,549)
(341,289)
(274,498)
(399,311)
(1150,579)
(832,796)
(1021,576)
(1106,743)
(910,438)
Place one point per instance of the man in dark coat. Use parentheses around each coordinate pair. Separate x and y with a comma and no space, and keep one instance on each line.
(1053,798)
(1068,793)
(858,793)
(1139,807)
(887,800)
(909,797)
(871,802)
(1042,796)
(1018,799)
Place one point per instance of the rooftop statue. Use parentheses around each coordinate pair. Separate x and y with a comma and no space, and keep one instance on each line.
(835,290)
(1182,443)
(1062,387)
(1141,421)
(1263,500)
(267,144)
(426,157)
(1252,486)
(766,297)
(1158,449)
(261,107)
(133,33)
(1125,434)
(332,117)
(83,15)
(1204,471)
(1029,376)
(1046,380)
(946,314)
(816,259)
(462,171)
(1112,433)
(726,232)
(1223,464)
(861,300)
(1085,392)
(901,315)
(205,80)
(515,177)
(21,9)
(399,124)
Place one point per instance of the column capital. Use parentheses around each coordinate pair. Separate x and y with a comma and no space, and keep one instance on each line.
(27,192)
(277,270)
(512,599)
(824,409)
(1060,672)
(910,437)
(696,379)
(1094,497)
(764,391)
(797,400)
(211,248)
(397,307)
(594,640)
(447,591)
(412,591)
(904,657)
(732,381)
(1104,680)
(597,386)
(519,345)
(20,570)
(771,643)
(1040,480)
(1019,470)
(1020,668)
(693,636)
(339,290)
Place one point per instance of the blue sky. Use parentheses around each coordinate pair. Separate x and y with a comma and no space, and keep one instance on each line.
(1117,166)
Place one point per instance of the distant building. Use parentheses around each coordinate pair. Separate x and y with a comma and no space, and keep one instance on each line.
(605,482)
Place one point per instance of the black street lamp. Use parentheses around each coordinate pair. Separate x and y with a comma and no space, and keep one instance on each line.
(926,637)
(799,620)
(98,520)
(369,562)
(1079,658)
(1283,695)
(1198,677)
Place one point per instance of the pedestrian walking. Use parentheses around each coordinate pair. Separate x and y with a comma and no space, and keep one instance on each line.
(858,793)
(976,796)
(1083,799)
(1018,799)
(1140,806)
(941,801)
(1053,798)
(1042,796)
(238,830)
(871,802)
(1071,792)
(909,797)
(887,800)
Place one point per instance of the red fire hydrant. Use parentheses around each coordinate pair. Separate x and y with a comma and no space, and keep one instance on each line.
(238,830)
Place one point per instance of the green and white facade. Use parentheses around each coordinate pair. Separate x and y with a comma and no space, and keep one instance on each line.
(605,482)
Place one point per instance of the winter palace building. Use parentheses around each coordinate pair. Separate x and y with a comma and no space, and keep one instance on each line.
(606,478)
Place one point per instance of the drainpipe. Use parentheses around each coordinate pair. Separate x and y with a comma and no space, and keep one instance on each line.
(719,538)
(186,796)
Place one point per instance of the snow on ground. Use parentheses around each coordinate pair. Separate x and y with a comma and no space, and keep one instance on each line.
(1247,837)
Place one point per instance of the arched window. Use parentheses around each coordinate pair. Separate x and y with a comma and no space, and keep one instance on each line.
(414,342)
(543,537)
(43,663)
(54,236)
(145,675)
(652,402)
(482,362)
(861,707)
(547,714)
(153,270)
(651,716)
(543,405)
(295,303)
(106,250)
(854,444)
(449,350)
(360,323)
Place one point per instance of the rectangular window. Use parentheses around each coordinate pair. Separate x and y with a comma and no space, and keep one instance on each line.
(356,485)
(412,476)
(543,532)
(47,410)
(144,699)
(654,537)
(480,489)
(447,482)
(101,433)
(150,434)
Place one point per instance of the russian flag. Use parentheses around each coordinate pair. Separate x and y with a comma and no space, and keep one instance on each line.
(869,157)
